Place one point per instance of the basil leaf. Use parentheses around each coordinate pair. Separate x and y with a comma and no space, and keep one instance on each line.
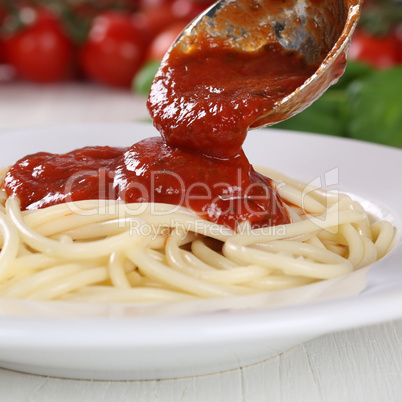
(327,115)
(143,80)
(375,104)
(354,70)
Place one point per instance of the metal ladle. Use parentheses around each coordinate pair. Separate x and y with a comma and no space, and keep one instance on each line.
(320,30)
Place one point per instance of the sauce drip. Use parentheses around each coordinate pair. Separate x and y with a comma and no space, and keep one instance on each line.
(207,99)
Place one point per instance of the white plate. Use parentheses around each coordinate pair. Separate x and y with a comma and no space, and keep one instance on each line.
(185,339)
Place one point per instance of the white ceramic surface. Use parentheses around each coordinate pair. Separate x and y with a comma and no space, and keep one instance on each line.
(185,339)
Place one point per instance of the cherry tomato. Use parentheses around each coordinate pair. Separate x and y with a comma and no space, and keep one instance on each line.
(154,4)
(162,42)
(114,50)
(41,51)
(189,9)
(90,9)
(3,15)
(2,55)
(156,15)
(379,51)
(152,21)
(398,35)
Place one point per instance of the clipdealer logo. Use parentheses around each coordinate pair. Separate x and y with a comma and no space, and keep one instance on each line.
(327,188)
(230,196)
(130,213)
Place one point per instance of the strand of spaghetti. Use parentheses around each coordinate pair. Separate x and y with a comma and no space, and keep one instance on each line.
(338,249)
(39,216)
(10,245)
(23,250)
(190,259)
(161,258)
(13,280)
(354,242)
(71,283)
(211,257)
(31,262)
(102,229)
(146,282)
(364,225)
(294,213)
(98,209)
(38,261)
(158,255)
(370,253)
(113,227)
(134,278)
(151,209)
(69,222)
(287,264)
(279,282)
(103,294)
(73,221)
(323,196)
(315,241)
(49,276)
(232,277)
(295,229)
(278,231)
(383,233)
(194,224)
(333,210)
(175,279)
(66,219)
(62,238)
(87,250)
(161,215)
(305,250)
(301,199)
(116,271)
(336,238)
(3,172)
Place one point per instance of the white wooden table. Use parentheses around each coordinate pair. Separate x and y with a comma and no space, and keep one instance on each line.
(356,365)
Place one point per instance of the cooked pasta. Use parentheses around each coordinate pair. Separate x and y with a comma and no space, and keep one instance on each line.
(109,251)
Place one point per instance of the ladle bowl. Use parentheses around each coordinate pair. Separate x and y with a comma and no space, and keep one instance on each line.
(320,30)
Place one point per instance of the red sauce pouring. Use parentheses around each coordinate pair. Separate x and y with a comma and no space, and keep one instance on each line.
(202,103)
(207,99)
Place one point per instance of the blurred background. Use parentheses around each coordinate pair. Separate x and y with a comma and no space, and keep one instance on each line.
(88,56)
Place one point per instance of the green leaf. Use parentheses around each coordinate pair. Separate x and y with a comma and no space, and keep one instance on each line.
(330,113)
(143,80)
(375,104)
(354,70)
(327,115)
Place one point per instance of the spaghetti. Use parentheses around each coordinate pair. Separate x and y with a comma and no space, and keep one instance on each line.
(109,251)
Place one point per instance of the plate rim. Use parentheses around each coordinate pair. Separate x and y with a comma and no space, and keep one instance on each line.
(264,318)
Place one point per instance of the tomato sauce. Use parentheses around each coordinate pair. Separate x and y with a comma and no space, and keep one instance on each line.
(202,102)
(210,97)
(226,191)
